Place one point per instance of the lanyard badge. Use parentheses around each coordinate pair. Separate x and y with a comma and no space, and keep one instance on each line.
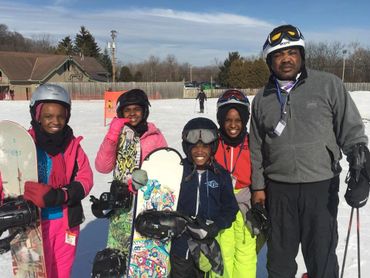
(280,127)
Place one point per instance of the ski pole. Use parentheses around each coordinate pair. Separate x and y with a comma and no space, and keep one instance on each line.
(358,243)
(347,240)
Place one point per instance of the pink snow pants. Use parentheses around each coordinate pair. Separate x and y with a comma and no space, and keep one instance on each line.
(59,255)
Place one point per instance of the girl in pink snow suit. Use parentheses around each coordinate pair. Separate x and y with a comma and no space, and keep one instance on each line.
(133,110)
(64,174)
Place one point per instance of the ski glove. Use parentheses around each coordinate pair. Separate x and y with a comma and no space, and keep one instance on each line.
(200,229)
(44,195)
(257,219)
(139,179)
(358,175)
(115,128)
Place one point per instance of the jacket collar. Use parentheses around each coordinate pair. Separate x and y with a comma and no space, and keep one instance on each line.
(271,82)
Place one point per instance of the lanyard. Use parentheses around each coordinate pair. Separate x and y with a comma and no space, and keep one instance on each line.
(283,100)
(225,160)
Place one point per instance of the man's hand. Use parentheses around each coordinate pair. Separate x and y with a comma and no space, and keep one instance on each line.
(358,179)
(258,197)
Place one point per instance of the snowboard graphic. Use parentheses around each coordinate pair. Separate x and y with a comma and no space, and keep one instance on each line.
(121,222)
(150,257)
(18,163)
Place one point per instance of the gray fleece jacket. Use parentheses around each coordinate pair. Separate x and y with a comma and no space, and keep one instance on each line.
(321,121)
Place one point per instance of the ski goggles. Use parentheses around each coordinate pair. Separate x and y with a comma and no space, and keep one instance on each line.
(206,136)
(291,33)
(233,95)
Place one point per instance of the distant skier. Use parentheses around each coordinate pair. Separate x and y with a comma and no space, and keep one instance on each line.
(202,97)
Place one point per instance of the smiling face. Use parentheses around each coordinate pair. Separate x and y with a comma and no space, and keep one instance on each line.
(201,155)
(134,113)
(286,63)
(233,124)
(53,117)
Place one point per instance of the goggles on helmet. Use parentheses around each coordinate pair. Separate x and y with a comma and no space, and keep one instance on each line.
(206,136)
(232,96)
(291,33)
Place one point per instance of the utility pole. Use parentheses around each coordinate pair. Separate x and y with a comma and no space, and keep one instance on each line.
(344,63)
(191,73)
(112,47)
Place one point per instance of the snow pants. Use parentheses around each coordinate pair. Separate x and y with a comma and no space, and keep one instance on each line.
(303,213)
(238,249)
(59,247)
(184,268)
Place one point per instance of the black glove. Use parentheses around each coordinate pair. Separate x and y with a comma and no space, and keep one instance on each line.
(139,178)
(200,229)
(257,219)
(358,179)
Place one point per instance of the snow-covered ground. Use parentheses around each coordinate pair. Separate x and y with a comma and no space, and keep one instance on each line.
(170,116)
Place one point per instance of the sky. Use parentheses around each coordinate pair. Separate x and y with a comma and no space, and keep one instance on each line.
(197,32)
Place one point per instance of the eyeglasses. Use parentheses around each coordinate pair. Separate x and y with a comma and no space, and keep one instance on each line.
(206,136)
(290,32)
(233,95)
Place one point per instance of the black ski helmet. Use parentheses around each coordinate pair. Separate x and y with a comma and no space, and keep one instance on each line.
(232,99)
(199,129)
(134,96)
(47,93)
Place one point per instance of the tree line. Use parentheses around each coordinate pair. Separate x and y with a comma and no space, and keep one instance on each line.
(350,61)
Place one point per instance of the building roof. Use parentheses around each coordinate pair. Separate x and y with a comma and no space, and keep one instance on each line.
(23,66)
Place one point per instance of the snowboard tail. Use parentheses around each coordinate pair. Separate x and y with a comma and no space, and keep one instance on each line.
(18,164)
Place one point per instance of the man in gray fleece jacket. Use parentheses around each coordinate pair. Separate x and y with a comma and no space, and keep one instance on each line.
(301,122)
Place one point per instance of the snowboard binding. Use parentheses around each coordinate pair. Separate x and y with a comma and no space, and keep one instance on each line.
(163,225)
(257,220)
(109,263)
(119,197)
(16,214)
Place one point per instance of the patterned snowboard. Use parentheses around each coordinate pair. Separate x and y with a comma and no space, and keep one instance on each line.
(149,257)
(18,163)
(128,158)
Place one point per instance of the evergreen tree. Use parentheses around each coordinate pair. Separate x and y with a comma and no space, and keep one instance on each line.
(225,68)
(65,46)
(125,74)
(85,44)
(237,74)
(138,76)
(106,61)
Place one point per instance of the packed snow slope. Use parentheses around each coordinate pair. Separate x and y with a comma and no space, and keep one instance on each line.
(170,116)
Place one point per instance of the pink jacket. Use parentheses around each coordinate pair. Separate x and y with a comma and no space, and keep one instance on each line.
(78,172)
(151,140)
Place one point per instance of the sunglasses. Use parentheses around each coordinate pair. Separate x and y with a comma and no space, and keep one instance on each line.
(206,136)
(293,34)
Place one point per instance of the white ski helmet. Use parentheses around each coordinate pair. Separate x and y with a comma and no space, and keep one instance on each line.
(50,93)
(282,37)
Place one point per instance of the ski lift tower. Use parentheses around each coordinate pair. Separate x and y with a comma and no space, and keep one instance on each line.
(112,48)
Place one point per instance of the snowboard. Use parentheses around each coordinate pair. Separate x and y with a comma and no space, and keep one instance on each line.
(18,163)
(121,222)
(150,257)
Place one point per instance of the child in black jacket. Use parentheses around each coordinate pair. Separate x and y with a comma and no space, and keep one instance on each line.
(206,195)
